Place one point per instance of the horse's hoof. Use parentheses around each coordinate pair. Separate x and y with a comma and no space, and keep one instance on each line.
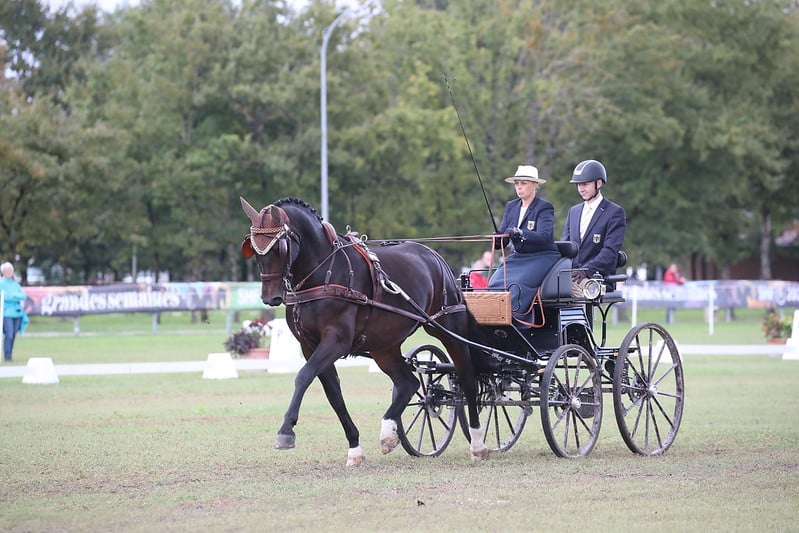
(285,442)
(388,436)
(480,455)
(388,444)
(355,456)
(355,461)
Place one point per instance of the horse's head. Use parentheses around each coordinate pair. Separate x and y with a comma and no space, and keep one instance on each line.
(270,241)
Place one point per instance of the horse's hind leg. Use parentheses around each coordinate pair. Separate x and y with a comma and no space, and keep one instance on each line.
(405,384)
(461,356)
(332,387)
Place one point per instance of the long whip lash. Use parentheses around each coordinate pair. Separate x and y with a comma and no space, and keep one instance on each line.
(471,155)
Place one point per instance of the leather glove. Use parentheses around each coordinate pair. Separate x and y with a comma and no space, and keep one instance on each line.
(515,233)
(578,276)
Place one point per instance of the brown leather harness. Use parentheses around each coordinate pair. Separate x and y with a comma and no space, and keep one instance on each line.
(283,237)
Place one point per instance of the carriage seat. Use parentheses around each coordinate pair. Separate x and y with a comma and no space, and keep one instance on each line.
(557,283)
(614,295)
(567,249)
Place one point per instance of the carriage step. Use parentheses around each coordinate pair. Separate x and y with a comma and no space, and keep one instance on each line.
(444,368)
(434,367)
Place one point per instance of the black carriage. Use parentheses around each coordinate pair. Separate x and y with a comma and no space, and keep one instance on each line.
(344,298)
(560,368)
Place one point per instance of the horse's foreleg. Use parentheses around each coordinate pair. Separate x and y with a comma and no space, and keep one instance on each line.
(286,438)
(405,384)
(332,388)
(389,438)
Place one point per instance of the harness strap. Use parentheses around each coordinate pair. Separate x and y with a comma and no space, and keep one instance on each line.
(343,293)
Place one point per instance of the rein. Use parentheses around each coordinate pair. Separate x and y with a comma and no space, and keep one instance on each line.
(341,292)
(344,293)
(459,238)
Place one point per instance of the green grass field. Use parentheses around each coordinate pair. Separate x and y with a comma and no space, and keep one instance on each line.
(179,453)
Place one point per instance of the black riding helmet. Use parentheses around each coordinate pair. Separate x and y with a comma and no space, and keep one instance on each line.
(589,170)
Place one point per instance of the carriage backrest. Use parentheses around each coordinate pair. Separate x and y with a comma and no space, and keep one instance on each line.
(622,259)
(567,249)
(558,281)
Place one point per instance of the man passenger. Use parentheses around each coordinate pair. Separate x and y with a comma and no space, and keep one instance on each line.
(596,224)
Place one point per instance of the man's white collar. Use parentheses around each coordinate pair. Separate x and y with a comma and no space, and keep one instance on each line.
(593,202)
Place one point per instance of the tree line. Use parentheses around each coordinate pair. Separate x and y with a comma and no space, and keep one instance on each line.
(133,133)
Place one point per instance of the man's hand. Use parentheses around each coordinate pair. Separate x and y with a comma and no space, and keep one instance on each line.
(578,276)
(515,233)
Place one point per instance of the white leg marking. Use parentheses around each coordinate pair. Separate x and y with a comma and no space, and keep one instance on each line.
(355,456)
(388,435)
(477,447)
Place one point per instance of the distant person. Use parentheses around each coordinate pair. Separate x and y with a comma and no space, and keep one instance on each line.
(596,224)
(673,275)
(478,274)
(14,317)
(529,223)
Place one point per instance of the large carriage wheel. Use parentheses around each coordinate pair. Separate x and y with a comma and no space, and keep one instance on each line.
(571,401)
(648,389)
(504,405)
(428,421)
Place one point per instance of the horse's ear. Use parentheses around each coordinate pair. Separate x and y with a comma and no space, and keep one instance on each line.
(250,211)
(246,248)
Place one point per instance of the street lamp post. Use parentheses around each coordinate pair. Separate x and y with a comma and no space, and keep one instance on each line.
(323,98)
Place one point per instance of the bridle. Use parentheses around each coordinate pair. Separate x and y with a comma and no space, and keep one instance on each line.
(285,239)
(280,236)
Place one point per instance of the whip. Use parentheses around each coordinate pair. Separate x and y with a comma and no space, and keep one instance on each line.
(471,155)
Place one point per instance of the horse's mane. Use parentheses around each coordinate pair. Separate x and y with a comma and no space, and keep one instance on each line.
(298,202)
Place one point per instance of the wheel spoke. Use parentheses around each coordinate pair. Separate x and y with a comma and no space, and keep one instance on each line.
(663,411)
(429,425)
(666,373)
(566,430)
(415,418)
(491,420)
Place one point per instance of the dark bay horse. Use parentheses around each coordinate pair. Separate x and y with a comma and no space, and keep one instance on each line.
(344,298)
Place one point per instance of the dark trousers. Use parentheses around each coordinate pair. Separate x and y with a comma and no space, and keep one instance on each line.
(10,329)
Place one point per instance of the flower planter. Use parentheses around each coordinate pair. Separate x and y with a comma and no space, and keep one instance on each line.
(257,353)
(776,340)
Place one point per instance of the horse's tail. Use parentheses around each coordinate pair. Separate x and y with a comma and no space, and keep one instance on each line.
(476,333)
(481,361)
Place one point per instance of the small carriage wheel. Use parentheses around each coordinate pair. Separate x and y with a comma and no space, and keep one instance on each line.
(648,389)
(428,421)
(504,404)
(571,401)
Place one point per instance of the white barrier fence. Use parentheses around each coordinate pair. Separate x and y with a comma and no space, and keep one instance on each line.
(709,295)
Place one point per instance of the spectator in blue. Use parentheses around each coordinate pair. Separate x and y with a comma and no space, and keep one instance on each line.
(528,222)
(15,319)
